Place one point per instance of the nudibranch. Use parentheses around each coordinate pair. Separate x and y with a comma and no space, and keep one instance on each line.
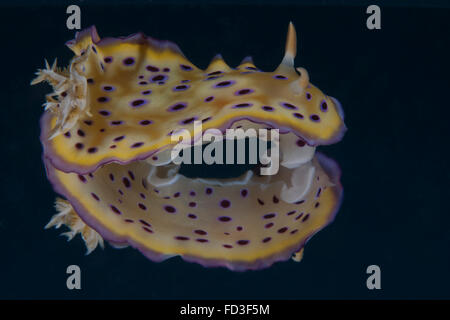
(107,136)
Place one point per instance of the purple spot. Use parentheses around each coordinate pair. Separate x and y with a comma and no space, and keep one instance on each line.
(192,216)
(266,239)
(177,107)
(128,61)
(260,202)
(290,213)
(280,77)
(138,103)
(176,194)
(224,84)
(251,68)
(115,210)
(166,70)
(104,113)
(185,67)
(228,246)
(269,216)
(92,150)
(108,88)
(137,145)
(318,192)
(314,117)
(242,242)
(147,229)
(192,204)
(142,83)
(142,195)
(201,240)
(88,122)
(145,122)
(79,146)
(224,219)
(267,108)
(269,225)
(129,220)
(288,106)
(239,228)
(159,77)
(300,143)
(119,138)
(102,99)
(201,232)
(142,206)
(80,133)
(146,92)
(210,98)
(294,231)
(111,177)
(131,174)
(181,87)
(208,190)
(116,122)
(225,203)
(244,193)
(299,216)
(192,193)
(298,115)
(308,96)
(282,230)
(189,120)
(108,59)
(126,182)
(67,134)
(170,209)
(214,73)
(90,81)
(316,205)
(243,91)
(305,218)
(206,119)
(181,238)
(82,178)
(275,199)
(184,81)
(242,105)
(152,68)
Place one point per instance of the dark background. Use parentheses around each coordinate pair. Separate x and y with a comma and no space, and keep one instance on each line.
(393,84)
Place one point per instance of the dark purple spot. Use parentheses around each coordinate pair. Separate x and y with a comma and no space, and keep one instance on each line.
(181,238)
(299,202)
(206,119)
(116,122)
(288,106)
(280,77)
(208,190)
(88,122)
(126,182)
(228,246)
(242,242)
(181,87)
(138,103)
(243,91)
(260,202)
(317,204)
(115,210)
(202,240)
(214,73)
(275,199)
(244,192)
(267,108)
(131,175)
(213,78)
(290,213)
(108,88)
(79,146)
(142,83)
(129,220)
(192,216)
(142,195)
(308,96)
(104,113)
(82,178)
(305,218)
(282,230)
(224,219)
(189,120)
(192,193)
(294,231)
(192,204)
(80,133)
(67,134)
(177,107)
(137,145)
(108,59)
(90,80)
(314,117)
(239,228)
(269,216)
(185,67)
(251,68)
(318,192)
(269,225)
(92,150)
(242,105)
(201,232)
(152,68)
(147,229)
(266,239)
(298,115)
(224,84)
(170,209)
(299,216)
(159,77)
(102,99)
(111,177)
(142,206)
(145,122)
(128,61)
(184,81)
(119,138)
(300,143)
(176,194)
(324,106)
(166,69)
(208,99)
(146,92)
(225,203)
